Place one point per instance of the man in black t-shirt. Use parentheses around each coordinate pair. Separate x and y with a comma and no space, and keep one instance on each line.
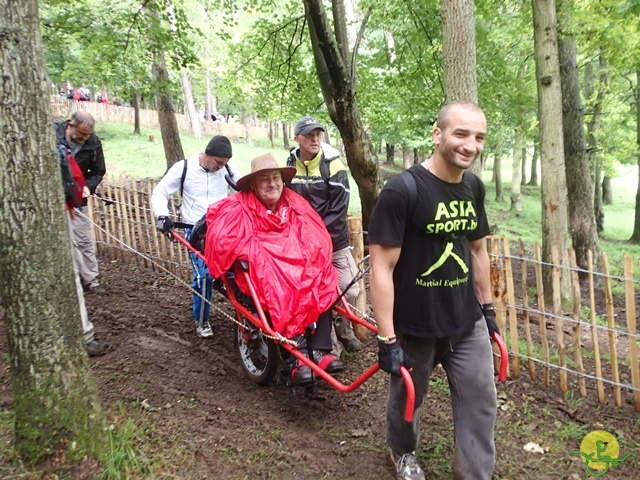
(431,294)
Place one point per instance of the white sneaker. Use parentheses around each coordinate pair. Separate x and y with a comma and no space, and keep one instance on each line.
(407,467)
(205,330)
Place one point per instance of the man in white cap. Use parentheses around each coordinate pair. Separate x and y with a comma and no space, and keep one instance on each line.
(322,180)
(201,182)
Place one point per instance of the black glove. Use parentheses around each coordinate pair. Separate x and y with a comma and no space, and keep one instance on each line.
(490,317)
(164,224)
(391,357)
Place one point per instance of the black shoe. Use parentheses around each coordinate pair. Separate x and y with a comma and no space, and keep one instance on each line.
(301,375)
(328,362)
(96,348)
(352,345)
(99,289)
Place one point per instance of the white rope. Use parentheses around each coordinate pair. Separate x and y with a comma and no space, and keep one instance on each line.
(279,338)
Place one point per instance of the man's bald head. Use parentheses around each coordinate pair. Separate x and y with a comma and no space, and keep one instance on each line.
(82,118)
(445,112)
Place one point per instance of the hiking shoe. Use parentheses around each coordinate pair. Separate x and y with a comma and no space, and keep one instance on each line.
(99,289)
(301,374)
(205,330)
(407,467)
(351,345)
(328,362)
(96,348)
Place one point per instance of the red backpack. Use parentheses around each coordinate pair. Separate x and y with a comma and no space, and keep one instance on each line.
(72,178)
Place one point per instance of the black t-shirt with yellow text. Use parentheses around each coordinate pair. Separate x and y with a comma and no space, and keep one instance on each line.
(433,279)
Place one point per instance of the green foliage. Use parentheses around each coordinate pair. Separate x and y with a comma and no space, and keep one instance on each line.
(125,459)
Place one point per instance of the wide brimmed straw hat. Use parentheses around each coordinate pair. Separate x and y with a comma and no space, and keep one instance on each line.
(263,163)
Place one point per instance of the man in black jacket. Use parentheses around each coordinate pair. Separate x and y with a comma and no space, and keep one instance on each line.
(77,135)
(322,180)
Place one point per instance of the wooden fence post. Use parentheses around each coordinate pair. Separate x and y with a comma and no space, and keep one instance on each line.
(557,313)
(542,316)
(595,338)
(630,307)
(497,289)
(611,323)
(514,358)
(356,240)
(525,312)
(577,302)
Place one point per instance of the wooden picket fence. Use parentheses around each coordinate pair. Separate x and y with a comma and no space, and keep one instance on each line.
(593,349)
(63,108)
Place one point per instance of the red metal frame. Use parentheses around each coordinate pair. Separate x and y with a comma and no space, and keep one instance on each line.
(343,309)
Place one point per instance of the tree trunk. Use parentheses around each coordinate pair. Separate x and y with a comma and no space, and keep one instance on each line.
(607,192)
(582,221)
(407,158)
(271,134)
(246,121)
(58,417)
(533,179)
(523,167)
(390,151)
(191,108)
(136,113)
(497,176)
(516,172)
(166,114)
(635,236)
(593,128)
(554,183)
(459,55)
(208,100)
(285,136)
(338,89)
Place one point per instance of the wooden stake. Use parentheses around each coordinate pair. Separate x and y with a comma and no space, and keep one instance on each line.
(594,330)
(557,312)
(611,322)
(111,228)
(356,240)
(119,231)
(514,361)
(122,183)
(140,229)
(497,290)
(630,307)
(525,311)
(541,313)
(155,255)
(577,302)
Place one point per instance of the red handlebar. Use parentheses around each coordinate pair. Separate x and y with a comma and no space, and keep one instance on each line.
(504,357)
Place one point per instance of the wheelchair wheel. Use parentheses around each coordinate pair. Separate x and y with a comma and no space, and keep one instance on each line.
(258,355)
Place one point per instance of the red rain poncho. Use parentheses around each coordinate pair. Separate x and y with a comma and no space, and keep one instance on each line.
(289,253)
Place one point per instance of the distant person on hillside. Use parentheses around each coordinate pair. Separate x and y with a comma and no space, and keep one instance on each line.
(322,180)
(85,146)
(201,181)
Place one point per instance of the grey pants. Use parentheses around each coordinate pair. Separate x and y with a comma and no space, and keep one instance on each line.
(83,241)
(346,266)
(87,326)
(468,361)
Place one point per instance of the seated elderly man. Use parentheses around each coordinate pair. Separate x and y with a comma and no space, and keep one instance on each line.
(288,250)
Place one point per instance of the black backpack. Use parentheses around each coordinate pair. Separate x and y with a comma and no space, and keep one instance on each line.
(470,178)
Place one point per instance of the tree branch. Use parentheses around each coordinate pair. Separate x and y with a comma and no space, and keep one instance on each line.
(357,45)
